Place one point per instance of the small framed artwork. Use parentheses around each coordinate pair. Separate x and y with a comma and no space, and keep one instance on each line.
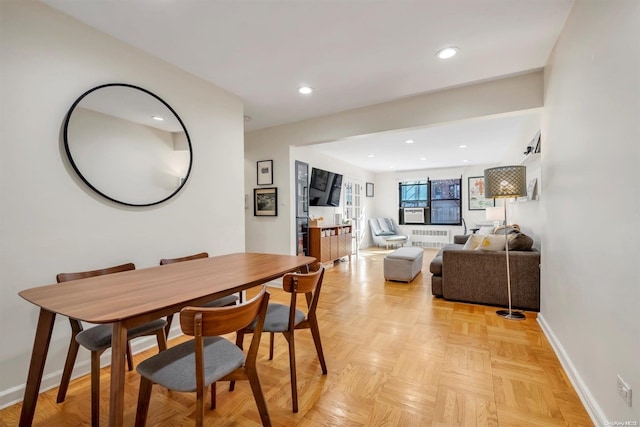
(265,172)
(265,201)
(369,192)
(477,201)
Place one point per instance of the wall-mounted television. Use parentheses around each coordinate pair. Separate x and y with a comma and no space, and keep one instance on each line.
(325,188)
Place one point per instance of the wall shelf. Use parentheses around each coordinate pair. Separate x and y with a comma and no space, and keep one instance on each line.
(531,158)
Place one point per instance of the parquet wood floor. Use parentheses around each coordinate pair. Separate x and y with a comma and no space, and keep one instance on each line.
(396,357)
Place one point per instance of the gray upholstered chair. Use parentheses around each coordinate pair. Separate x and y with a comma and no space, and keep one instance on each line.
(219,302)
(98,338)
(194,365)
(285,319)
(385,233)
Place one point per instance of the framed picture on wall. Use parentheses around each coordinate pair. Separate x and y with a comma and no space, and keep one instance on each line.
(265,172)
(265,201)
(477,200)
(369,192)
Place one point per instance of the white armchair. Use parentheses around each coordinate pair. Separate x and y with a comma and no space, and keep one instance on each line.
(385,233)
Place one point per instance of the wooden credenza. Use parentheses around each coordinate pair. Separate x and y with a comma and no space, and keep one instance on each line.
(328,243)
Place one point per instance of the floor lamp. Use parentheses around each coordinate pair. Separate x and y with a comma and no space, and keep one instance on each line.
(505,182)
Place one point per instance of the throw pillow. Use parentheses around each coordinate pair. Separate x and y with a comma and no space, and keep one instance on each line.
(492,243)
(513,228)
(473,242)
(485,230)
(520,242)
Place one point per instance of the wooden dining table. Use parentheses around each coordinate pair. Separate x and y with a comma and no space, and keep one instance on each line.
(133,297)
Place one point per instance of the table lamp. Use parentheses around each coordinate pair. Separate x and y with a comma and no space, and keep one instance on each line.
(496,215)
(505,182)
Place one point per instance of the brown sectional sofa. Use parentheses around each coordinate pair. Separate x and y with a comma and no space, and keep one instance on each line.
(479,276)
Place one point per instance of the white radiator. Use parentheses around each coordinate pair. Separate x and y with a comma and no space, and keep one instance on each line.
(426,238)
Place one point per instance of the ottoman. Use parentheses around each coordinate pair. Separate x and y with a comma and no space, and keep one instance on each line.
(403,264)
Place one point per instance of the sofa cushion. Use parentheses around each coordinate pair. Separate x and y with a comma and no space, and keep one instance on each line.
(520,242)
(461,238)
(473,242)
(449,247)
(492,243)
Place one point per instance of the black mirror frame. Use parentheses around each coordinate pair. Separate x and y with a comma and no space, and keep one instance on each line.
(77,170)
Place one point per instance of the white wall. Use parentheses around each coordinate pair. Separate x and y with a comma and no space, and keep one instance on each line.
(591,198)
(275,234)
(49,221)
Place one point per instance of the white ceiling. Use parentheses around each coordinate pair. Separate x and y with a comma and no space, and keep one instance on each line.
(354,53)
(471,142)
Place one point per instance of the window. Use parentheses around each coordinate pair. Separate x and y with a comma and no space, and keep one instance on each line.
(414,194)
(414,202)
(429,202)
(446,205)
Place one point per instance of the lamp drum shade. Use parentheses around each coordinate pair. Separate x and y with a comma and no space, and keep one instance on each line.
(494,213)
(505,181)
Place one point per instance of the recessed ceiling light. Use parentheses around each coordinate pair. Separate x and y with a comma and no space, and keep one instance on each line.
(447,52)
(371,155)
(158,118)
(463,146)
(409,141)
(465,161)
(423,158)
(305,90)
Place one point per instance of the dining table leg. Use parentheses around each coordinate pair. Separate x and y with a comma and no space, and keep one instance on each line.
(36,367)
(118,348)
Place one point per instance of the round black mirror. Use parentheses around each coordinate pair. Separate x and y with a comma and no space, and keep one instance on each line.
(127,144)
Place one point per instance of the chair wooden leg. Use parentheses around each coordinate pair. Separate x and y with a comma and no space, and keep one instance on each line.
(129,355)
(254,381)
(95,388)
(168,327)
(271,345)
(144,396)
(213,396)
(162,340)
(315,333)
(239,343)
(200,396)
(72,354)
(292,370)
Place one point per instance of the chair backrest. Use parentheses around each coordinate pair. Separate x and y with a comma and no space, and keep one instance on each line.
(166,261)
(375,227)
(383,226)
(215,321)
(65,277)
(308,284)
(201,322)
(303,283)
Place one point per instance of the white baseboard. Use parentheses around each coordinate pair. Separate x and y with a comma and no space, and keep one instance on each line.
(591,405)
(52,380)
